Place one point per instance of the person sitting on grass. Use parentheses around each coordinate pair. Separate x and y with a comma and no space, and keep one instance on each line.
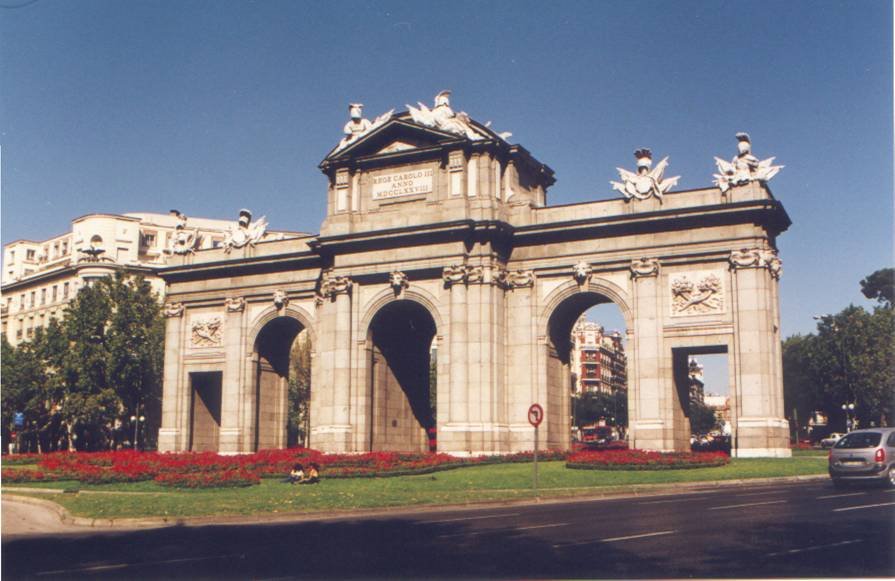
(313,475)
(296,475)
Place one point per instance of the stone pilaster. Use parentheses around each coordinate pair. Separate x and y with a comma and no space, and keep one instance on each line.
(759,426)
(232,389)
(458,409)
(173,433)
(650,418)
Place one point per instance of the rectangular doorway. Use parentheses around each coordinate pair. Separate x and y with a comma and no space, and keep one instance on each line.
(205,410)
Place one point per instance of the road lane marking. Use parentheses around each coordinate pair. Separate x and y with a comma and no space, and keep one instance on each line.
(662,501)
(126,565)
(814,548)
(747,504)
(840,495)
(612,539)
(502,530)
(863,506)
(760,493)
(631,537)
(431,522)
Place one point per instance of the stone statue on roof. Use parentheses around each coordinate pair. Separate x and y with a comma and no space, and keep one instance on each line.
(745,167)
(246,233)
(646,182)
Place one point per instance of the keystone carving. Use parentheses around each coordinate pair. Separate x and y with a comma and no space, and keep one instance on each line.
(582,272)
(171,310)
(398,281)
(280,299)
(207,332)
(235,304)
(644,267)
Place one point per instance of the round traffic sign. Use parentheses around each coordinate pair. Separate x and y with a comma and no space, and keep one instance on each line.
(535,415)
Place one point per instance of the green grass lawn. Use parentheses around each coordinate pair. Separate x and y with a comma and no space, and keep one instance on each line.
(463,485)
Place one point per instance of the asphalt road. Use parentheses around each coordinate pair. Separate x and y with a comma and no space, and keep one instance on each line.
(805,529)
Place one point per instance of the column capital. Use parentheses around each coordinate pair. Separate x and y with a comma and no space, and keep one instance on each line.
(171,310)
(453,274)
(510,279)
(644,267)
(757,258)
(234,304)
(335,285)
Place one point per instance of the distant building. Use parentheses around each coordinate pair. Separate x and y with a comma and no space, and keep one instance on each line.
(720,404)
(598,359)
(697,381)
(39,278)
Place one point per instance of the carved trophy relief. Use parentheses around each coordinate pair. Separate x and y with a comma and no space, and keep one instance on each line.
(207,332)
(246,233)
(697,293)
(647,181)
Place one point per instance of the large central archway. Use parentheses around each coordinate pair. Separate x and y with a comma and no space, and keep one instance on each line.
(402,408)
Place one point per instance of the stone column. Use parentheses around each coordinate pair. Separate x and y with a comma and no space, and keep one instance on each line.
(175,411)
(650,423)
(759,426)
(332,401)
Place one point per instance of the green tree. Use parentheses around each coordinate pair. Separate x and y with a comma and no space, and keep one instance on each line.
(591,407)
(23,379)
(799,388)
(880,286)
(298,422)
(702,418)
(135,343)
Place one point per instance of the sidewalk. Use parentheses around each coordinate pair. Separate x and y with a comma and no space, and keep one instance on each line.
(46,509)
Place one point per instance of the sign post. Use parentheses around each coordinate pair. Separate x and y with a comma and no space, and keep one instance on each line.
(535,417)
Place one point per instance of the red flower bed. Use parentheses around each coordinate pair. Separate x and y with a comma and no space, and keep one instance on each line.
(219,479)
(644,460)
(206,469)
(28,475)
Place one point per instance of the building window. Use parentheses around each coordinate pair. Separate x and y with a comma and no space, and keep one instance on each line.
(65,291)
(65,247)
(12,256)
(54,294)
(22,302)
(18,333)
(149,239)
(29,255)
(43,296)
(33,299)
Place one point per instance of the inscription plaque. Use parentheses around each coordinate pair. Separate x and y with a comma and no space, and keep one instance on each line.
(404,183)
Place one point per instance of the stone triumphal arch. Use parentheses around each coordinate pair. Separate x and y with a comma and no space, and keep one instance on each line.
(439,255)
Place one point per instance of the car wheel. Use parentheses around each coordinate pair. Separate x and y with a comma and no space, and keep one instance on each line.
(890,481)
(838,484)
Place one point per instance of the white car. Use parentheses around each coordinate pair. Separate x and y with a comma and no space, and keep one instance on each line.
(830,440)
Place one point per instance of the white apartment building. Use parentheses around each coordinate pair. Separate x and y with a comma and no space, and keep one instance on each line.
(39,278)
(598,359)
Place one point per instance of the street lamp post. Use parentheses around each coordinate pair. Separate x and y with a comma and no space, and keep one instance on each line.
(849,409)
(137,420)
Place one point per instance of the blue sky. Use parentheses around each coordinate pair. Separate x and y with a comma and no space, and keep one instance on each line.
(209,106)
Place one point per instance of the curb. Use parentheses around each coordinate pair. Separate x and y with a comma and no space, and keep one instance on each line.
(609,493)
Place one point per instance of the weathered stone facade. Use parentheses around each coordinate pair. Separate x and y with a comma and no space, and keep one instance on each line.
(433,236)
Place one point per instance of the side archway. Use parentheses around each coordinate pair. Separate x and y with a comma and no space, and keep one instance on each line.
(563,309)
(271,343)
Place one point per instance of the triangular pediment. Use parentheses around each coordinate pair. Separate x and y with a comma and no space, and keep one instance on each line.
(394,136)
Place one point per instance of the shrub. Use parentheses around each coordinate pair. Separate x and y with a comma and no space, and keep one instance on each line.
(29,475)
